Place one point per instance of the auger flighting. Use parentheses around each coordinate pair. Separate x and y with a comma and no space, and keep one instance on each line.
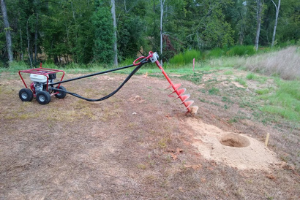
(176,87)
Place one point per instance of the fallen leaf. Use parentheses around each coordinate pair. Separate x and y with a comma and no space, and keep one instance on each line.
(173,156)
(271,176)
(145,75)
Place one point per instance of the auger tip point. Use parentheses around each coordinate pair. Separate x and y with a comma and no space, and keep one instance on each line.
(194,109)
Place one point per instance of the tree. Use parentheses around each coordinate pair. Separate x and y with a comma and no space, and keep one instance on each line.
(104,33)
(68,31)
(162,2)
(131,27)
(7,31)
(258,19)
(202,24)
(113,12)
(240,16)
(276,19)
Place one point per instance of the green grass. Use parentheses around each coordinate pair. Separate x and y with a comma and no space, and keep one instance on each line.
(255,77)
(227,99)
(286,113)
(261,79)
(228,72)
(195,78)
(250,76)
(14,67)
(262,91)
(284,102)
(214,91)
(241,81)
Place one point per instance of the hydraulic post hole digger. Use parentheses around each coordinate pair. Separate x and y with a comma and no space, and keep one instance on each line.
(42,86)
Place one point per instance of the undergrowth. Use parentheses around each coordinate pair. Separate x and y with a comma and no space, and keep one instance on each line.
(185,58)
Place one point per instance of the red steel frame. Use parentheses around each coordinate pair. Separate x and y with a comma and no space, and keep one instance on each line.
(41,71)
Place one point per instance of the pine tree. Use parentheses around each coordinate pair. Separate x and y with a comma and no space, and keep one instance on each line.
(104,37)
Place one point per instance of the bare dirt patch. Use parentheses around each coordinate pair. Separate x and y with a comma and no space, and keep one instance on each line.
(234,140)
(137,144)
(235,150)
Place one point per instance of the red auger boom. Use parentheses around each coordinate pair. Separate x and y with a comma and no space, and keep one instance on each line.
(176,87)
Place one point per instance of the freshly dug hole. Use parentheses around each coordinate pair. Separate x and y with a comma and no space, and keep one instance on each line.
(234,140)
(232,149)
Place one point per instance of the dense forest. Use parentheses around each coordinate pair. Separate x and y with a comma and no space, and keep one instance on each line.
(107,31)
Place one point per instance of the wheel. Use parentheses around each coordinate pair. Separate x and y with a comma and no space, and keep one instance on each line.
(61,94)
(43,97)
(26,94)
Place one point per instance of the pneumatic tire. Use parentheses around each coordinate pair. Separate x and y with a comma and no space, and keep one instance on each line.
(43,97)
(61,94)
(26,94)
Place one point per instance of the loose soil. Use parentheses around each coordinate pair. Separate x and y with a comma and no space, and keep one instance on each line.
(235,150)
(138,144)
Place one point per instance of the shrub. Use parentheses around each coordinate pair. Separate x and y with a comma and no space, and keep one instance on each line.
(241,51)
(287,43)
(186,57)
(177,59)
(127,61)
(216,53)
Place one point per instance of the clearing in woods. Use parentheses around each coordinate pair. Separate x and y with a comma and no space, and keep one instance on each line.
(139,144)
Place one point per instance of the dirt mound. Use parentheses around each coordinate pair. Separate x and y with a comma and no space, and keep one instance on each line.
(235,150)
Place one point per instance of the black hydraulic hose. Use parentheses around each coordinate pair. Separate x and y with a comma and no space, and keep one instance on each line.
(111,94)
(89,75)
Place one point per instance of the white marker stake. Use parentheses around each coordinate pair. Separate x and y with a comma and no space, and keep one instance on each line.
(194,65)
(267,139)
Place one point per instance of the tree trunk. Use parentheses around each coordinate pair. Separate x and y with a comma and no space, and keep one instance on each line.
(36,39)
(161,27)
(28,47)
(21,39)
(21,45)
(113,12)
(258,18)
(276,20)
(7,31)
